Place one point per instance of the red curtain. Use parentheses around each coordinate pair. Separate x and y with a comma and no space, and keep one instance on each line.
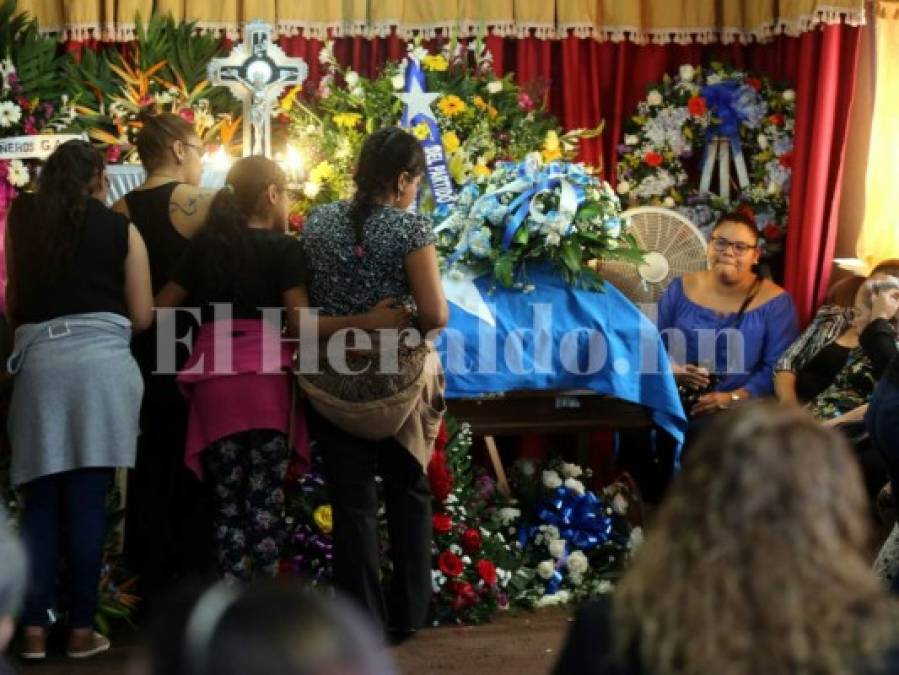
(585,81)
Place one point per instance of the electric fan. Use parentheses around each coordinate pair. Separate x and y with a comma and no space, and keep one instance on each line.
(673,245)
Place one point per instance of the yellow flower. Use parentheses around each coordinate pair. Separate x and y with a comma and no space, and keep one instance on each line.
(421,131)
(321,172)
(437,62)
(479,103)
(451,141)
(551,147)
(347,119)
(457,168)
(451,105)
(493,112)
(481,169)
(324,518)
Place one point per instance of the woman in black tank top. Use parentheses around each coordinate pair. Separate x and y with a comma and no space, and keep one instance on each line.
(167,523)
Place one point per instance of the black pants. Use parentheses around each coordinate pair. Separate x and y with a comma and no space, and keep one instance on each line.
(351,464)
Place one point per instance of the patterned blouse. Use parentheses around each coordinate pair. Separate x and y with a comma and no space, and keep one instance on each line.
(343,283)
(853,384)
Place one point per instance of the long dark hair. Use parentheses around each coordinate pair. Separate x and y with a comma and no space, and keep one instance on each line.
(156,136)
(47,228)
(225,234)
(385,156)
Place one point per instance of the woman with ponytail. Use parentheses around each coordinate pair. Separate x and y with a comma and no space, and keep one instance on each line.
(167,511)
(359,251)
(79,285)
(242,417)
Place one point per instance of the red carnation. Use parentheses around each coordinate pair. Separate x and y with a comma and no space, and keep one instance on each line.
(696,106)
(772,232)
(653,159)
(442,523)
(450,564)
(786,160)
(471,540)
(439,477)
(776,118)
(487,571)
(754,82)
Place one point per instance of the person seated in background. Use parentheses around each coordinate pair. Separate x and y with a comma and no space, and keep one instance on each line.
(13,578)
(729,296)
(827,370)
(272,628)
(757,562)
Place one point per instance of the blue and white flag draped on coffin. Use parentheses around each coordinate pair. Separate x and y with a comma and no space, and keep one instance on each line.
(561,338)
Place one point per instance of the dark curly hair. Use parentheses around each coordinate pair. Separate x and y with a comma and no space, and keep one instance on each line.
(385,156)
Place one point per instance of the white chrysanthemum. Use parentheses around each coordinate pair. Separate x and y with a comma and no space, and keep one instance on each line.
(619,504)
(570,470)
(557,548)
(578,563)
(668,202)
(550,478)
(546,569)
(10,113)
(326,54)
(495,87)
(763,141)
(508,515)
(687,72)
(17,174)
(575,486)
(654,98)
(789,95)
(605,586)
(636,538)
(551,532)
(352,78)
(623,187)
(398,81)
(631,139)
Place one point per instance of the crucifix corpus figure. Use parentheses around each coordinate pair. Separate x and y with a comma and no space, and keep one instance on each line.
(256,72)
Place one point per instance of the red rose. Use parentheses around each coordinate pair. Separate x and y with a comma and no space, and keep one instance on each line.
(450,564)
(696,106)
(439,477)
(754,82)
(776,118)
(186,114)
(772,232)
(487,571)
(471,540)
(442,523)
(786,160)
(653,159)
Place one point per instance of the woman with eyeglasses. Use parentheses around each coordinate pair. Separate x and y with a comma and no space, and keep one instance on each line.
(167,510)
(726,327)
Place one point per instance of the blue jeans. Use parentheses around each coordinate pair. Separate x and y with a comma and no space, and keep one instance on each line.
(68,506)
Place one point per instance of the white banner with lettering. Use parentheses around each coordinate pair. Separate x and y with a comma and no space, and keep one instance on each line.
(34,147)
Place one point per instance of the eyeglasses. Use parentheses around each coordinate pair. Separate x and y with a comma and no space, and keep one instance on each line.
(198,148)
(720,244)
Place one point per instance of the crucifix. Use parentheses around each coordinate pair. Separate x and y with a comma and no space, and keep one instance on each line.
(257,71)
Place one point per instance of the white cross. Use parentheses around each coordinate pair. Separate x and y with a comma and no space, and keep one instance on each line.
(256,72)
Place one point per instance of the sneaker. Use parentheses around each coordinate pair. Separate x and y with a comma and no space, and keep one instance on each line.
(34,644)
(86,644)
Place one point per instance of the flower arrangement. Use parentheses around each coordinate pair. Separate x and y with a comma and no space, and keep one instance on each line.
(482,118)
(309,550)
(673,125)
(535,212)
(575,542)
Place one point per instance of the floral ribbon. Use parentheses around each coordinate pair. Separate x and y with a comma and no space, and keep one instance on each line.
(731,103)
(580,519)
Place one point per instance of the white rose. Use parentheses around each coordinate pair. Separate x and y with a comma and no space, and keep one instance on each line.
(551,532)
(605,586)
(551,478)
(557,548)
(563,596)
(578,563)
(668,202)
(636,538)
(763,141)
(575,485)
(575,579)
(571,470)
(351,78)
(546,569)
(631,139)
(623,187)
(654,97)
(398,81)
(619,504)
(495,87)
(687,72)
(789,95)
